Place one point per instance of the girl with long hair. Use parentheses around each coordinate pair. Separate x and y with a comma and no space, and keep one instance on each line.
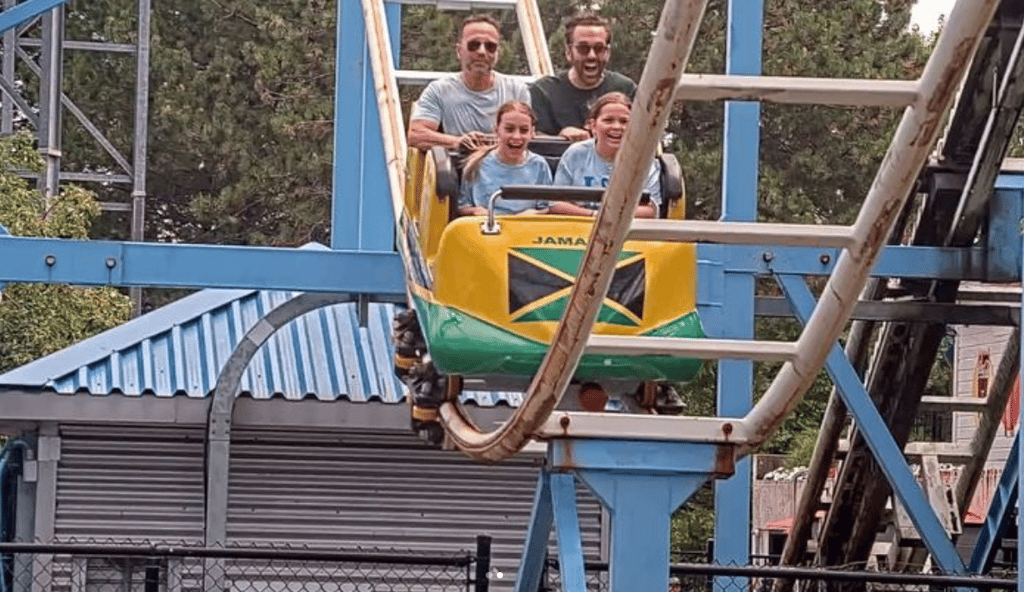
(508,162)
(589,163)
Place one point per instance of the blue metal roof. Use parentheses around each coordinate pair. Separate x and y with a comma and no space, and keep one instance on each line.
(180,349)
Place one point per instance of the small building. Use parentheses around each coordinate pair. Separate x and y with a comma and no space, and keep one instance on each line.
(321,454)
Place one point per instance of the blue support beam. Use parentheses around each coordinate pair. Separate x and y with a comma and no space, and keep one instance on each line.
(739,204)
(535,548)
(1000,510)
(361,211)
(103,263)
(12,17)
(640,483)
(717,264)
(952,263)
(872,427)
(567,528)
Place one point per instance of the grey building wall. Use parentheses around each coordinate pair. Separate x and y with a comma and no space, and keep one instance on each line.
(342,489)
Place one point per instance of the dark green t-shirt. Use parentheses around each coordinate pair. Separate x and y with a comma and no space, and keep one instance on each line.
(558,104)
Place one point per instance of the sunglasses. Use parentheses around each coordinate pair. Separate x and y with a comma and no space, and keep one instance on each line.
(586,48)
(475,44)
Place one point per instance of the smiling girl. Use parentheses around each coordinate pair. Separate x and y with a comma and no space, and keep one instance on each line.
(589,163)
(508,162)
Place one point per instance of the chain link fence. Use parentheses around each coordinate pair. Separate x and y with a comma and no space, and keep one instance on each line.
(167,568)
(707,577)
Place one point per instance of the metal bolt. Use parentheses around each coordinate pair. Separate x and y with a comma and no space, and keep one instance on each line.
(111,263)
(768,256)
(727,429)
(564,422)
(50,260)
(825,258)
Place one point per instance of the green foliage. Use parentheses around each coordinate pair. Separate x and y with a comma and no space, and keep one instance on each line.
(693,524)
(39,319)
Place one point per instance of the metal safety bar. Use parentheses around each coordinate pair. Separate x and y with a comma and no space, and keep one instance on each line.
(541,193)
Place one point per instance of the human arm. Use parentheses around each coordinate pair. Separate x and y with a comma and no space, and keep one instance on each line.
(653,186)
(574,134)
(467,206)
(424,135)
(570,209)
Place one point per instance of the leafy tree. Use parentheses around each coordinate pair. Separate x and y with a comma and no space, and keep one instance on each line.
(37,319)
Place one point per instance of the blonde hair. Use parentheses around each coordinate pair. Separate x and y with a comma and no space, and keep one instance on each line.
(471,165)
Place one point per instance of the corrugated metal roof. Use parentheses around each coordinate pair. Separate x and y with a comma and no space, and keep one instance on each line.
(180,349)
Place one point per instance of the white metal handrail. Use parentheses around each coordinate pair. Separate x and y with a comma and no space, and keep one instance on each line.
(851,92)
(742,233)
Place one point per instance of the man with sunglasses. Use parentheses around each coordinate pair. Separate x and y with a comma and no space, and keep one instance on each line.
(458,111)
(562,101)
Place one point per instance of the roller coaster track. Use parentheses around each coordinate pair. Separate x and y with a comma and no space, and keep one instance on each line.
(972,150)
(862,242)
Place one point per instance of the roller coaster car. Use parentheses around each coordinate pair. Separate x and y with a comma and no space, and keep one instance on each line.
(488,292)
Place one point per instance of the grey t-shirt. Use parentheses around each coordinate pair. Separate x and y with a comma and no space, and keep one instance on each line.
(458,110)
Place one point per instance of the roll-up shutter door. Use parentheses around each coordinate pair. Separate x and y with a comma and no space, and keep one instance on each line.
(383,491)
(130,484)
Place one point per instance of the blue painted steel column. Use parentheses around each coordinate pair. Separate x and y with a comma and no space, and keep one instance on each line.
(361,213)
(536,545)
(641,483)
(567,528)
(739,203)
(871,426)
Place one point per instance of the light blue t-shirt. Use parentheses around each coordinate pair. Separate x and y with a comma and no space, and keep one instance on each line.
(582,166)
(458,110)
(493,174)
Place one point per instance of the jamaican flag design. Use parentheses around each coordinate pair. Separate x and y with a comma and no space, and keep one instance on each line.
(540,279)
(497,299)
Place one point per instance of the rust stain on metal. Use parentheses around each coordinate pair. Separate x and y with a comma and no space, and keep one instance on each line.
(727,430)
(564,423)
(945,89)
(725,460)
(661,98)
(568,458)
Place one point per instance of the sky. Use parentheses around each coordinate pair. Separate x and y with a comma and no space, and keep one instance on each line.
(926,13)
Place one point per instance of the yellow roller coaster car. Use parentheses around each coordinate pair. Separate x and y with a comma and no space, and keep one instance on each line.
(488,294)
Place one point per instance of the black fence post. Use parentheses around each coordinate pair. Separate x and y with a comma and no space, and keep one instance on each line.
(152,578)
(482,582)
